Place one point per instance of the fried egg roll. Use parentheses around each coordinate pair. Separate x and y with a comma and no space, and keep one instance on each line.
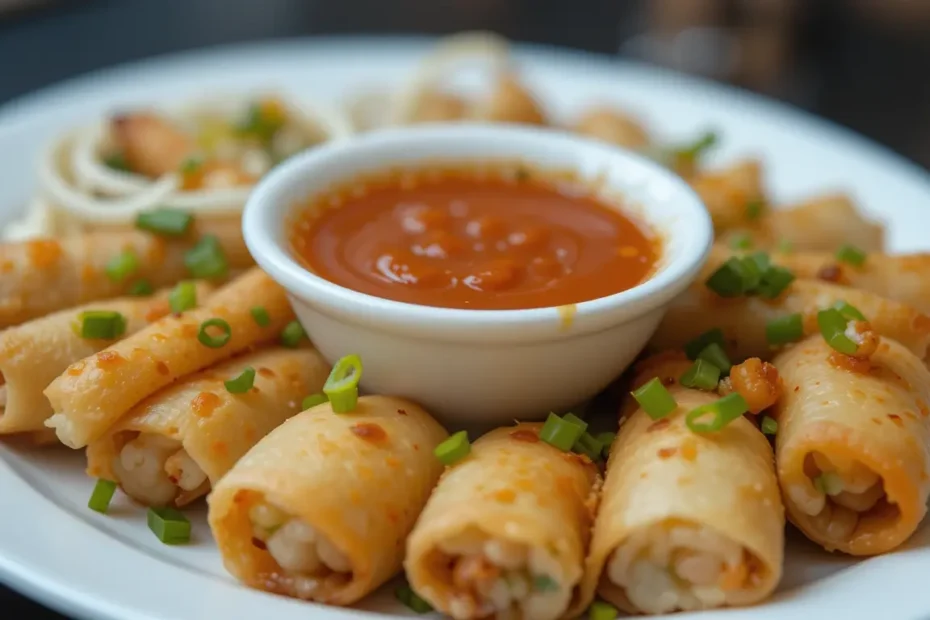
(174,445)
(734,195)
(320,508)
(743,320)
(853,445)
(687,521)
(46,275)
(93,393)
(35,353)
(506,531)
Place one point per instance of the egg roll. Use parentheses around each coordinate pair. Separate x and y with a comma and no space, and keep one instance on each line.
(93,393)
(734,195)
(853,445)
(46,275)
(687,521)
(743,320)
(319,509)
(506,531)
(35,353)
(174,445)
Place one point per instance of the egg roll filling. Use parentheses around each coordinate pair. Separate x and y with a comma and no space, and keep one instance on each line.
(840,493)
(156,470)
(674,566)
(488,575)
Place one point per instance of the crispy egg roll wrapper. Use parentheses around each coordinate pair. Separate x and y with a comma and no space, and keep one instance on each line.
(212,426)
(727,192)
(35,353)
(46,275)
(743,319)
(869,431)
(670,493)
(93,393)
(359,479)
(518,508)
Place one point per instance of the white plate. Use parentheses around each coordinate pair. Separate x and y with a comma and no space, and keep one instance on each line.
(111,567)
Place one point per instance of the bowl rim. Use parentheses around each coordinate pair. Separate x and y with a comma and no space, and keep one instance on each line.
(266,208)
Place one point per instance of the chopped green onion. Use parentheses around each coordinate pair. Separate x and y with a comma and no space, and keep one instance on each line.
(571,417)
(702,375)
(606,438)
(261,316)
(741,241)
(544,583)
(102,324)
(411,599)
(715,354)
(183,297)
(785,329)
(214,342)
(759,260)
(342,385)
(769,425)
(169,525)
(730,278)
(829,483)
(259,125)
(601,610)
(755,208)
(774,281)
(455,448)
(724,411)
(849,311)
(694,347)
(116,161)
(101,496)
(122,266)
(697,148)
(191,165)
(561,433)
(589,445)
(655,400)
(141,288)
(292,334)
(313,400)
(833,328)
(851,254)
(243,383)
(165,221)
(785,246)
(206,259)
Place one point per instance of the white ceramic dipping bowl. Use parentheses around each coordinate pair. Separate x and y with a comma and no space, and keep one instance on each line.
(482,367)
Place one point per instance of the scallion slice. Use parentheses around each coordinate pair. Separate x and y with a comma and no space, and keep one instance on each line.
(702,375)
(655,400)
(102,324)
(191,165)
(785,329)
(849,311)
(731,278)
(741,241)
(206,259)
(723,411)
(183,297)
(590,446)
(561,433)
(455,448)
(571,417)
(121,266)
(607,439)
(169,525)
(755,208)
(116,161)
(769,425)
(260,315)
(341,388)
(165,221)
(601,610)
(313,400)
(832,326)
(702,144)
(785,246)
(214,342)
(774,281)
(851,254)
(101,496)
(141,288)
(694,347)
(408,597)
(292,334)
(829,483)
(243,383)
(544,583)
(715,354)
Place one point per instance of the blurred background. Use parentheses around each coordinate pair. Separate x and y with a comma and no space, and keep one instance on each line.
(861,63)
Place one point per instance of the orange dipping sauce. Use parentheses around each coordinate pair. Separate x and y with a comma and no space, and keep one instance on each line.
(476,238)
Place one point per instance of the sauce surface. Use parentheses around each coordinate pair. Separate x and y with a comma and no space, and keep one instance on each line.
(464,238)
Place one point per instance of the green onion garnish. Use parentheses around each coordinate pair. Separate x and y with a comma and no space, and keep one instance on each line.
(214,342)
(103,493)
(292,334)
(544,583)
(741,241)
(849,311)
(169,525)
(769,425)
(697,148)
(730,279)
(261,316)
(453,449)
(755,208)
(829,483)
(122,266)
(560,432)
(165,221)
(191,165)
(408,597)
(257,124)
(141,288)
(655,400)
(342,385)
(774,281)
(116,161)
(206,259)
(694,347)
(715,354)
(785,329)
(606,438)
(601,610)
(243,383)
(183,297)
(723,411)
(851,254)
(571,417)
(833,328)
(785,246)
(313,400)
(102,324)
(702,375)
(589,445)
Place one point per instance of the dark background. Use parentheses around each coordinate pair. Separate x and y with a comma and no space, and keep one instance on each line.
(862,63)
